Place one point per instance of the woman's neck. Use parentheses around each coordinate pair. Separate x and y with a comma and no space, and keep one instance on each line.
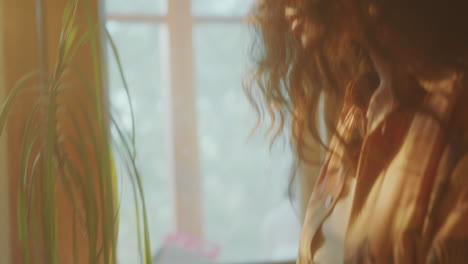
(384,69)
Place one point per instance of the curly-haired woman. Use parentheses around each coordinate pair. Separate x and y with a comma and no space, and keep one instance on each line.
(394,185)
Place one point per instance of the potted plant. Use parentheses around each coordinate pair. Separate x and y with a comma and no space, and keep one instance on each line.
(70,142)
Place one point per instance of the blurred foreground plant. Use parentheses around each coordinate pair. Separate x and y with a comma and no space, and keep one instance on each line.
(70,144)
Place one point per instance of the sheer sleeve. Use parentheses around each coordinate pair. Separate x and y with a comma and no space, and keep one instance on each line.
(450,244)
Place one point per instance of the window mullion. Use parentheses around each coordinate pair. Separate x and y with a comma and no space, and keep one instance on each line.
(182,122)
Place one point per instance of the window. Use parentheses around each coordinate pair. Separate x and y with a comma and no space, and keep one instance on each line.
(184,61)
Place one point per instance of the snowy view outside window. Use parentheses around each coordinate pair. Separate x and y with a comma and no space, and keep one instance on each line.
(243,185)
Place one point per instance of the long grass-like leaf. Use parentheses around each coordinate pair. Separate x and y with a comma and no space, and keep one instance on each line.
(116,55)
(66,36)
(48,182)
(78,45)
(26,186)
(137,176)
(147,253)
(26,150)
(69,41)
(127,163)
(31,187)
(38,252)
(5,110)
(89,194)
(68,15)
(70,190)
(108,178)
(23,200)
(105,192)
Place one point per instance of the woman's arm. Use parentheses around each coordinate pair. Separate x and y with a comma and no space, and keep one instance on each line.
(450,244)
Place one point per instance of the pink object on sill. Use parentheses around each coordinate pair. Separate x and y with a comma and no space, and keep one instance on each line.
(196,245)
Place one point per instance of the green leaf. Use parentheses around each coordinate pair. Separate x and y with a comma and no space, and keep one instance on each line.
(27,145)
(88,189)
(137,177)
(67,12)
(5,109)
(69,40)
(78,45)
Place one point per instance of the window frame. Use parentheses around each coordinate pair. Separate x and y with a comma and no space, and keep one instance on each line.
(178,56)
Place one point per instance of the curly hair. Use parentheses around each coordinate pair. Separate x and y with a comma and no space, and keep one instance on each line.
(289,80)
(425,39)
